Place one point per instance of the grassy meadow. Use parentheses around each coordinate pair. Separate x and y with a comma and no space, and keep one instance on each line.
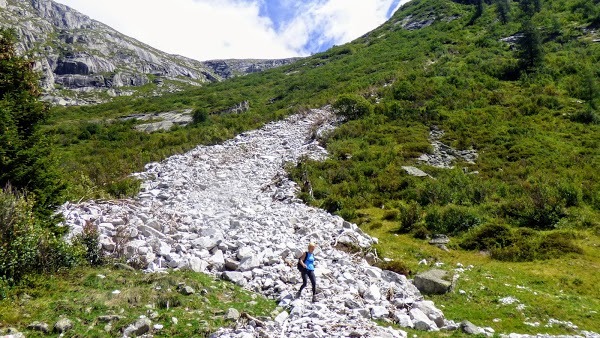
(516,81)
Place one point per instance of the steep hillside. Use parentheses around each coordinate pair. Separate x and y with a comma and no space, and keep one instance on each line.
(495,104)
(77,54)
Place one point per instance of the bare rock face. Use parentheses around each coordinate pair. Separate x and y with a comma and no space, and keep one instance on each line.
(75,52)
(229,68)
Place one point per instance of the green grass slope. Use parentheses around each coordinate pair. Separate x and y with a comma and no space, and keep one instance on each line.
(517,82)
(85,295)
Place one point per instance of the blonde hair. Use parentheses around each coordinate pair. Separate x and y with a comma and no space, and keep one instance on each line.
(312,245)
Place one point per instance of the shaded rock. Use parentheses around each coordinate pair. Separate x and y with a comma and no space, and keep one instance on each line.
(379,312)
(433,282)
(197,265)
(110,318)
(402,319)
(140,327)
(39,326)
(439,239)
(469,328)
(372,294)
(10,332)
(431,312)
(282,317)
(63,325)
(187,290)
(231,264)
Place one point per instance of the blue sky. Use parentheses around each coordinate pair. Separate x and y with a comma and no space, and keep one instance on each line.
(222,29)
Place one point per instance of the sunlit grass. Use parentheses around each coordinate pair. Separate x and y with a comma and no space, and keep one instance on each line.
(563,289)
(84,294)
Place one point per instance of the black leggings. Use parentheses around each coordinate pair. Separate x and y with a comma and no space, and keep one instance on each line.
(311,276)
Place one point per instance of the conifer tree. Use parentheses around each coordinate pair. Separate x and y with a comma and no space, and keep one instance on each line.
(503,10)
(530,47)
(25,163)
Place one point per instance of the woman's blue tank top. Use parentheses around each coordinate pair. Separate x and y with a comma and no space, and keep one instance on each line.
(310,261)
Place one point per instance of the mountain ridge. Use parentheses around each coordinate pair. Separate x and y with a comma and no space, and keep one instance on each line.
(84,59)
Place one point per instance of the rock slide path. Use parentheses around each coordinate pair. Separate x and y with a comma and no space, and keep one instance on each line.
(229,210)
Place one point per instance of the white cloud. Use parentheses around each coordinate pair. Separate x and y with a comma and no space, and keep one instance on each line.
(219,29)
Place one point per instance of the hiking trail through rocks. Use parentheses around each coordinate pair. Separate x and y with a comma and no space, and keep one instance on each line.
(229,210)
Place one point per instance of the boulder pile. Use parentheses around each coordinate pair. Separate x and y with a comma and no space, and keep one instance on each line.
(230,211)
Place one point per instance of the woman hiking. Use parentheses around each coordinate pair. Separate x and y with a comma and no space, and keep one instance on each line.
(306,265)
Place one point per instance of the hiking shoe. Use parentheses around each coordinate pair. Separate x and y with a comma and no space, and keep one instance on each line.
(314,299)
(298,294)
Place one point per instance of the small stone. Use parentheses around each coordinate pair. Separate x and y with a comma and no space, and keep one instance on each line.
(281,317)
(63,325)
(187,290)
(232,314)
(110,318)
(39,326)
(140,327)
(468,328)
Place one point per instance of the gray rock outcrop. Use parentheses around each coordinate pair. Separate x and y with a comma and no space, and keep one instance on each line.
(75,52)
(443,155)
(434,281)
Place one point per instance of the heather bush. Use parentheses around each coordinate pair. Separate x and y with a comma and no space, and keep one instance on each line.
(451,219)
(487,236)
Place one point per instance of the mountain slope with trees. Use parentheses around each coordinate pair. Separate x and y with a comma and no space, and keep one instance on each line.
(517,82)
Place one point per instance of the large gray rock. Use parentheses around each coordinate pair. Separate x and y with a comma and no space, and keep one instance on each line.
(235,277)
(421,321)
(140,327)
(431,312)
(434,281)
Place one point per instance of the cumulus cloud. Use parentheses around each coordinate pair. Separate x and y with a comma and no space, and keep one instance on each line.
(220,29)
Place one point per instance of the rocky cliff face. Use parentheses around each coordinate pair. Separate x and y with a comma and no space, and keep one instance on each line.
(85,56)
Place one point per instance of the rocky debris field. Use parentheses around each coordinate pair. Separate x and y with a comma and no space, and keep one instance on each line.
(230,211)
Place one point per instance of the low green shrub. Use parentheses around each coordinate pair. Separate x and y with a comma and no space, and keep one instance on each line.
(451,219)
(25,245)
(332,205)
(19,236)
(487,236)
(352,107)
(420,232)
(199,115)
(409,216)
(89,240)
(126,187)
(529,245)
(587,116)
